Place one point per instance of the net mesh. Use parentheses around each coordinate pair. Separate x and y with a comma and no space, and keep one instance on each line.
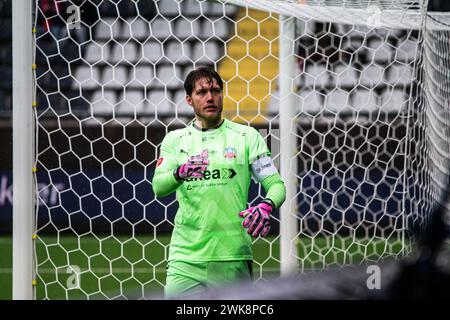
(430,163)
(371,145)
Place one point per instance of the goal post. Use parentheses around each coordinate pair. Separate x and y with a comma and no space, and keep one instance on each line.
(288,220)
(23,151)
(346,89)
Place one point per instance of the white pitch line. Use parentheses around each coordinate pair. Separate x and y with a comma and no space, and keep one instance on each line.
(95,270)
(108,271)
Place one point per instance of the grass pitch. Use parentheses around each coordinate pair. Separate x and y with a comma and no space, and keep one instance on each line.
(120,267)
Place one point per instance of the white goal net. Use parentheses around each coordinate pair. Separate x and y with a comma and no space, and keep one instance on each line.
(368,126)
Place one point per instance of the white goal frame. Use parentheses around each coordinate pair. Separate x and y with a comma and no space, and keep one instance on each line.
(23,150)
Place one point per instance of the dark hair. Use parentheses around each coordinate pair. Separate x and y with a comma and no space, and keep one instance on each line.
(201,73)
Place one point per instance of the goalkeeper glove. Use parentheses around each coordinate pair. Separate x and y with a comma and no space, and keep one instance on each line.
(194,167)
(257,218)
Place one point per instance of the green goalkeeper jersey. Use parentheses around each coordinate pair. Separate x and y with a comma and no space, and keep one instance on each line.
(207,223)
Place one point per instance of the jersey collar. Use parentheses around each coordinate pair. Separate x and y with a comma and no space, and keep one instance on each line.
(207,129)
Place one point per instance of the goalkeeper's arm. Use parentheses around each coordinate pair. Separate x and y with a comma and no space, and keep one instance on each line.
(164,182)
(166,179)
(275,190)
(167,182)
(257,218)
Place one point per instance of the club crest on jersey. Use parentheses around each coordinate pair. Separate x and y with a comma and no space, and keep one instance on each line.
(229,153)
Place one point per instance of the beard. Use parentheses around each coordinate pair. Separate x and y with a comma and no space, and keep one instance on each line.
(210,116)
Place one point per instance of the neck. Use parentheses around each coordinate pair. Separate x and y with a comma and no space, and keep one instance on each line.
(204,124)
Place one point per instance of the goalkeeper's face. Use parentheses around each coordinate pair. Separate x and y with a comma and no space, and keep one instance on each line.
(207,100)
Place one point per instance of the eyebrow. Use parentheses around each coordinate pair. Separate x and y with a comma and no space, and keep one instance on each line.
(203,88)
(210,88)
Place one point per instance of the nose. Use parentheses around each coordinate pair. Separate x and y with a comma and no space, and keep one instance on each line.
(209,95)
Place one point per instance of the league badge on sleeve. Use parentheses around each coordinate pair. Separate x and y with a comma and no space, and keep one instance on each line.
(158,163)
(229,153)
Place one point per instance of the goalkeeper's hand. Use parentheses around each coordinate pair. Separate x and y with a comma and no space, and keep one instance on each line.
(257,219)
(194,167)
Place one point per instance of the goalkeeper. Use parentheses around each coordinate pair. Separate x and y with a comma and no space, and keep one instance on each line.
(209,164)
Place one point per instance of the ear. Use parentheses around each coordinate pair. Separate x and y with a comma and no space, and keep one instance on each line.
(189,100)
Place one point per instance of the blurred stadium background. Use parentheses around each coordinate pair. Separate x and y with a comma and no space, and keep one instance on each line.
(109,89)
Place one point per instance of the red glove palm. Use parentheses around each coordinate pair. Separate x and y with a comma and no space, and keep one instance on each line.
(257,219)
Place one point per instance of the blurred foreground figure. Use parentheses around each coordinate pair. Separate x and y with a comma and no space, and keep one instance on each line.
(423,275)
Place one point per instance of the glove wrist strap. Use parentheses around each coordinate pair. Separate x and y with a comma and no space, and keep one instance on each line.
(176,175)
(270,203)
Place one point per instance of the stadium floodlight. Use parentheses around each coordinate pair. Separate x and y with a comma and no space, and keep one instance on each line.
(352,97)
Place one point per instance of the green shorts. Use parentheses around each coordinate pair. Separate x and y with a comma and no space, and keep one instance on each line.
(185,277)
